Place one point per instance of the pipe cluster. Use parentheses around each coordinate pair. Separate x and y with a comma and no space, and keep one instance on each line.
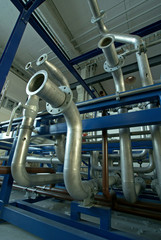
(53,87)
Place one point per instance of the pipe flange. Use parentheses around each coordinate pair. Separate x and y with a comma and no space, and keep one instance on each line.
(119,65)
(42,59)
(65,105)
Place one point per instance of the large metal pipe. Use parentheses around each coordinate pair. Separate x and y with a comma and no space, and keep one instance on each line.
(109,50)
(18,169)
(39,84)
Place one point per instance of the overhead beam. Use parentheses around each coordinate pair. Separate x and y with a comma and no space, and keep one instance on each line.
(153,61)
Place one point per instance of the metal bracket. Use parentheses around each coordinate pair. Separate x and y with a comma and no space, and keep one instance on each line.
(117,96)
(94,20)
(119,65)
(65,105)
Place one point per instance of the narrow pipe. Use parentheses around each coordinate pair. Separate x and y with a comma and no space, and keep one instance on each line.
(147,169)
(36,159)
(97,17)
(18,169)
(105,173)
(77,189)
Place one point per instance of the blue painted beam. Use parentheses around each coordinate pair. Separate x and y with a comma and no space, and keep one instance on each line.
(39,29)
(130,119)
(43,34)
(14,41)
(113,146)
(93,230)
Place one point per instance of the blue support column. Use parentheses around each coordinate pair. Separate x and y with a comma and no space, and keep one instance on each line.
(14,41)
(103,214)
(7,181)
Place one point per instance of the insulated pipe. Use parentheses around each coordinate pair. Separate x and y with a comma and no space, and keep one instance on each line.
(18,169)
(53,71)
(79,190)
(97,16)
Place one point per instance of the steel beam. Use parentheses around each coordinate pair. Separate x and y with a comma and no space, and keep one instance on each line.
(47,224)
(153,61)
(130,119)
(14,41)
(43,34)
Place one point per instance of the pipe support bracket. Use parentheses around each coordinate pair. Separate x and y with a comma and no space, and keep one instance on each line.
(94,20)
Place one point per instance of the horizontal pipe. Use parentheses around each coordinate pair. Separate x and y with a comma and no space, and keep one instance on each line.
(36,159)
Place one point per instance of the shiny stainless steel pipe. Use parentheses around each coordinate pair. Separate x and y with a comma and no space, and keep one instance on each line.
(97,16)
(79,190)
(18,169)
(127,174)
(109,50)
(53,71)
(141,56)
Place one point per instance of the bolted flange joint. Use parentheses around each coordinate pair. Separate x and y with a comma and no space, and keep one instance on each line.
(65,105)
(107,68)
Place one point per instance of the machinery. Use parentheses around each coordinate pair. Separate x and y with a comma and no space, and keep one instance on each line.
(117,171)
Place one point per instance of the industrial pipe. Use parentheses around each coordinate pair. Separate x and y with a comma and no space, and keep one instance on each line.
(109,50)
(36,159)
(97,16)
(18,169)
(40,85)
(52,70)
(147,169)
(142,60)
(127,174)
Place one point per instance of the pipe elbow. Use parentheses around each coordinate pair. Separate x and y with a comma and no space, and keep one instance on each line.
(20,175)
(129,192)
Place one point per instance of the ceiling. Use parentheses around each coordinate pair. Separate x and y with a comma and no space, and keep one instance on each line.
(69,22)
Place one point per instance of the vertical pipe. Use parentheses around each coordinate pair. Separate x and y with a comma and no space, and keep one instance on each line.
(128,184)
(97,17)
(105,173)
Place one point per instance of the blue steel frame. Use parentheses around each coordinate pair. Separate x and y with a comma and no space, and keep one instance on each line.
(41,222)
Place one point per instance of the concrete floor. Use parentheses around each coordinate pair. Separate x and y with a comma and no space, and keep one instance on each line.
(143,227)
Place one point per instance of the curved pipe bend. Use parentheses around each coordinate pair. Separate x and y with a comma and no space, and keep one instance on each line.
(52,69)
(39,84)
(18,165)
